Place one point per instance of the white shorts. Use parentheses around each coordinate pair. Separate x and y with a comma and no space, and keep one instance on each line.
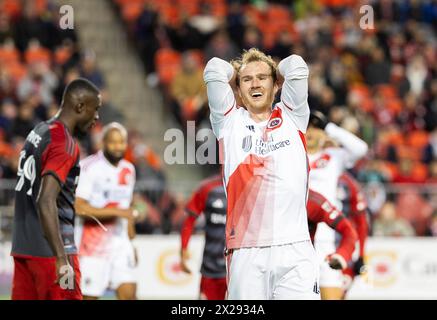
(101,273)
(329,278)
(284,272)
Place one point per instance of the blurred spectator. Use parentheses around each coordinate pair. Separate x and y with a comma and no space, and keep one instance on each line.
(236,22)
(252,38)
(25,120)
(38,84)
(412,206)
(188,91)
(205,22)
(416,74)
(283,47)
(378,71)
(388,224)
(6,30)
(8,113)
(89,70)
(31,26)
(221,46)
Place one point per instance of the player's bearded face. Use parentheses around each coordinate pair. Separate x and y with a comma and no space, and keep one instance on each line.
(115,146)
(257,89)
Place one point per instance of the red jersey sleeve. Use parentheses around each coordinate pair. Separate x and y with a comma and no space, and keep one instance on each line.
(194,208)
(60,155)
(321,210)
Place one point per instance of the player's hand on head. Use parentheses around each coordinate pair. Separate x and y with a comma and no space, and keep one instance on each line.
(336,261)
(184,257)
(318,119)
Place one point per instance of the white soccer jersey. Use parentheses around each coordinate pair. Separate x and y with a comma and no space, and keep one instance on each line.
(327,165)
(104,185)
(265,164)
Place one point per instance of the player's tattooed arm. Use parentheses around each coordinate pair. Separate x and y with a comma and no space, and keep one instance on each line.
(48,213)
(87,211)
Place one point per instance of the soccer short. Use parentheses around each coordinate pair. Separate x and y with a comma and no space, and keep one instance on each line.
(34,279)
(101,273)
(283,272)
(212,288)
(329,278)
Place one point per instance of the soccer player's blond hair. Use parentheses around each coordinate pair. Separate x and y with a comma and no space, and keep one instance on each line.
(251,55)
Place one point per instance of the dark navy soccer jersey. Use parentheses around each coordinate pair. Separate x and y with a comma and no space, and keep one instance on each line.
(49,149)
(210,199)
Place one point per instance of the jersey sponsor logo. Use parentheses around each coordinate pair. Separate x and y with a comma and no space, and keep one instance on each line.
(321,162)
(34,138)
(274,123)
(218,204)
(264,147)
(327,207)
(334,214)
(217,218)
(247,143)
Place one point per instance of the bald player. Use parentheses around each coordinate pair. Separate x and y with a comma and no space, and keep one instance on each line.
(106,224)
(45,256)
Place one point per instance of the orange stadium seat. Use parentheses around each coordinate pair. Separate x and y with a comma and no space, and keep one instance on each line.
(11,7)
(37,54)
(16,70)
(167,63)
(62,54)
(9,55)
(131,10)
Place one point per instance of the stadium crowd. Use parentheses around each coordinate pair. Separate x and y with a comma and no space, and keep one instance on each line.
(379,83)
(37,60)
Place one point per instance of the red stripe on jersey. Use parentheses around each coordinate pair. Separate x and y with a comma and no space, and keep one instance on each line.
(230,108)
(246,202)
(56,158)
(291,109)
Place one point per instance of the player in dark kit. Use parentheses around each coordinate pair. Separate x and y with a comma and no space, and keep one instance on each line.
(319,210)
(45,261)
(209,199)
(355,209)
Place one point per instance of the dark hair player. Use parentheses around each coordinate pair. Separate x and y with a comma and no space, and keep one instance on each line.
(43,239)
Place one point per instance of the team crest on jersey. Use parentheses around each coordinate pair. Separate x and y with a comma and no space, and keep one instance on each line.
(321,162)
(247,143)
(274,123)
(125,176)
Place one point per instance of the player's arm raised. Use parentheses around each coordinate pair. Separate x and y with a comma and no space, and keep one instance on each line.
(293,74)
(217,75)
(48,213)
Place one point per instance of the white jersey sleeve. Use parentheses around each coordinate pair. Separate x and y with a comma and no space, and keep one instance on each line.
(85,184)
(294,94)
(354,147)
(217,75)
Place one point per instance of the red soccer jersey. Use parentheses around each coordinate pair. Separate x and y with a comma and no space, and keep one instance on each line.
(321,210)
(354,206)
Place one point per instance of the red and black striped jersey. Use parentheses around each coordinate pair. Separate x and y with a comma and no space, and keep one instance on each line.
(49,149)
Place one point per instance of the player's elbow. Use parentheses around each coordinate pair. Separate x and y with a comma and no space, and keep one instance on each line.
(217,70)
(362,149)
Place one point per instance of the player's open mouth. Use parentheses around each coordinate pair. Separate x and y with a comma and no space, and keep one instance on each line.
(256,95)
